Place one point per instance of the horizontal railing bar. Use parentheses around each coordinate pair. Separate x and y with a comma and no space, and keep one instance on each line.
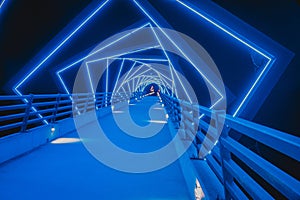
(80,104)
(206,127)
(251,186)
(283,182)
(280,141)
(67,101)
(13,97)
(36,120)
(215,167)
(12,116)
(216,153)
(50,96)
(13,107)
(64,113)
(236,192)
(203,110)
(64,107)
(48,110)
(10,126)
(49,103)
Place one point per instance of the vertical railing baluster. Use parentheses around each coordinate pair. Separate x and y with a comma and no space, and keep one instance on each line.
(27,112)
(86,103)
(55,108)
(106,99)
(74,105)
(97,101)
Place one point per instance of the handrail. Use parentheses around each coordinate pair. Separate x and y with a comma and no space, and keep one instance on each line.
(227,156)
(280,141)
(20,113)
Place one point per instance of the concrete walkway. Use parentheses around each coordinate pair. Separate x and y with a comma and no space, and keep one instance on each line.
(64,169)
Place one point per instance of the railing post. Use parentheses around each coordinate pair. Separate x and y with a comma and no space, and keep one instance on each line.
(86,103)
(107,99)
(74,105)
(55,109)
(27,112)
(95,100)
(225,155)
(103,100)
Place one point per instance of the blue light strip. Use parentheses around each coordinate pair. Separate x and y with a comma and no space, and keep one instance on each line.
(137,84)
(160,80)
(129,88)
(149,77)
(187,58)
(60,45)
(173,83)
(162,45)
(121,54)
(151,59)
(15,88)
(67,91)
(118,76)
(252,88)
(81,59)
(85,57)
(64,85)
(90,78)
(129,78)
(2,3)
(32,107)
(128,75)
(129,71)
(234,35)
(133,85)
(231,32)
(162,77)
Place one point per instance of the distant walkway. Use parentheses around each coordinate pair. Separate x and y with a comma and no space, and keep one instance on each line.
(64,169)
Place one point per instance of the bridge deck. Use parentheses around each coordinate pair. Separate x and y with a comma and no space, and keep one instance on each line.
(64,169)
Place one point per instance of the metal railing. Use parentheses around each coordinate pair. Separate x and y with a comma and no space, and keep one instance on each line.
(227,159)
(244,173)
(20,113)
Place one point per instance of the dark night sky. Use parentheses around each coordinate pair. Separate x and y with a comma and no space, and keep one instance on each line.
(26,26)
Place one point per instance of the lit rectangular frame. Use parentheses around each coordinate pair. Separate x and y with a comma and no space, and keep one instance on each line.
(233,34)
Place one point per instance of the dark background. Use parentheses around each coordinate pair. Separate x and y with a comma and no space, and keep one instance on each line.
(27,26)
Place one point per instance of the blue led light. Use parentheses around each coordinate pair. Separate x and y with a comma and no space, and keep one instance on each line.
(32,107)
(150,59)
(60,45)
(118,75)
(207,18)
(130,70)
(90,78)
(157,78)
(85,57)
(15,88)
(102,48)
(129,78)
(186,57)
(252,88)
(64,85)
(235,35)
(2,3)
